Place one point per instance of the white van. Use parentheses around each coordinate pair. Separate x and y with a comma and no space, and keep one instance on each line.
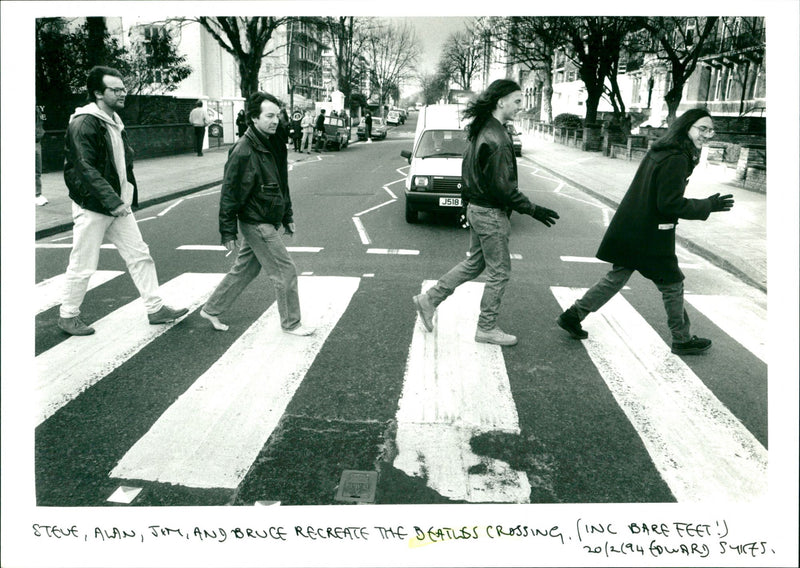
(434,178)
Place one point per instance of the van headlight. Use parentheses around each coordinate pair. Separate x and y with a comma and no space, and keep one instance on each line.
(420,182)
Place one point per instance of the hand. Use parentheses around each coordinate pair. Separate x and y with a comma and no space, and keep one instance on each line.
(721,203)
(121,211)
(545,215)
(289,229)
(230,246)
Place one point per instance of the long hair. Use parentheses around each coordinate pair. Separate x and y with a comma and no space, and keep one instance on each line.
(677,136)
(481,108)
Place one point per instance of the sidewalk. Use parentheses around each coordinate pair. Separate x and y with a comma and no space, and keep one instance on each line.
(734,240)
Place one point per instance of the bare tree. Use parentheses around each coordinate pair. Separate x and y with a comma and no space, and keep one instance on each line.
(392,52)
(461,58)
(433,85)
(344,39)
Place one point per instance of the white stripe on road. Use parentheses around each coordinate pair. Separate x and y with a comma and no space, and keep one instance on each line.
(742,319)
(212,434)
(701,450)
(74,365)
(360,213)
(362,232)
(48,292)
(168,209)
(453,390)
(401,252)
(222,248)
(69,246)
(591,259)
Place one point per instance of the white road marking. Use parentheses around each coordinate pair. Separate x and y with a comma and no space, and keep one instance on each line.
(66,370)
(359,214)
(222,248)
(203,193)
(389,191)
(145,219)
(212,434)
(393,251)
(606,216)
(742,319)
(453,390)
(591,259)
(170,208)
(701,450)
(48,292)
(362,232)
(515,256)
(69,246)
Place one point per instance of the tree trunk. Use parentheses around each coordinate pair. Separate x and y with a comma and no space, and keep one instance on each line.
(547,96)
(592,102)
(248,82)
(673,100)
(96,42)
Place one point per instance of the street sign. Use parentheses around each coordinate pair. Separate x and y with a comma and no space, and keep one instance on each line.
(357,486)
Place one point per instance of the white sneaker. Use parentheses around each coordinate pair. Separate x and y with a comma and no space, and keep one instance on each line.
(300,330)
(218,325)
(41,200)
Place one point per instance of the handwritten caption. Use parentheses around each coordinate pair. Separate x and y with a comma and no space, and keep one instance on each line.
(656,540)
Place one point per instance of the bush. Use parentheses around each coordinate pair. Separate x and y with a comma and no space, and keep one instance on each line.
(567,120)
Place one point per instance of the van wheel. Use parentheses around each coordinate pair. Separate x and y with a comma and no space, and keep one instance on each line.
(412,215)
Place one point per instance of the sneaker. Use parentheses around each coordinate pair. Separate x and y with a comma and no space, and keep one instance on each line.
(41,200)
(692,347)
(496,337)
(74,326)
(301,330)
(425,310)
(218,325)
(571,323)
(166,315)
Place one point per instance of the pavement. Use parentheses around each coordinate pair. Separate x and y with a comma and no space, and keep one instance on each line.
(735,241)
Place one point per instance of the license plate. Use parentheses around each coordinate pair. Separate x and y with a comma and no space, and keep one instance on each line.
(449,202)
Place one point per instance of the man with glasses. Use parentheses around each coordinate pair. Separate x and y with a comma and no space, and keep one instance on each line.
(98,171)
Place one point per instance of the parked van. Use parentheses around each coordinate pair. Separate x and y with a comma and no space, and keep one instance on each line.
(434,178)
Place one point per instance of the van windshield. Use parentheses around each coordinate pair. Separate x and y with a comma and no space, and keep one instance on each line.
(441,144)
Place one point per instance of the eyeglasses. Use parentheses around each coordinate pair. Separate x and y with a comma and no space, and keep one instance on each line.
(705,130)
(118,91)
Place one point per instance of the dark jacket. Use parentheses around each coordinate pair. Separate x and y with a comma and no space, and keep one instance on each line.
(489,171)
(89,170)
(641,234)
(320,124)
(255,186)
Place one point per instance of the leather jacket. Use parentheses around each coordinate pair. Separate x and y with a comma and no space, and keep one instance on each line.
(489,171)
(254,188)
(89,170)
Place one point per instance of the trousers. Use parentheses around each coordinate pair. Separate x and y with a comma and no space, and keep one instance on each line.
(199,137)
(671,294)
(489,231)
(90,228)
(261,247)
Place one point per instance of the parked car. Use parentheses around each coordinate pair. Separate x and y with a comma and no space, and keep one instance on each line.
(215,129)
(393,117)
(434,180)
(515,139)
(378,129)
(337,133)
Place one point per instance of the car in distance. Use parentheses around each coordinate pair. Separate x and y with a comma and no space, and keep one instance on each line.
(393,117)
(378,129)
(337,133)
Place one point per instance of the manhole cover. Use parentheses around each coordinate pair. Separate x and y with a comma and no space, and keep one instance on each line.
(357,486)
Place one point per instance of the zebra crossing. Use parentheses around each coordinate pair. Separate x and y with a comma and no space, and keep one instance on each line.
(453,389)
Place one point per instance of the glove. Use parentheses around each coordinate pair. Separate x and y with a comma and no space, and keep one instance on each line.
(723,203)
(545,215)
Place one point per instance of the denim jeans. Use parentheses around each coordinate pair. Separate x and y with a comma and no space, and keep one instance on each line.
(671,294)
(87,235)
(489,231)
(261,246)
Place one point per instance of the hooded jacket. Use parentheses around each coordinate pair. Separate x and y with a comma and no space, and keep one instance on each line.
(489,171)
(90,167)
(641,234)
(255,186)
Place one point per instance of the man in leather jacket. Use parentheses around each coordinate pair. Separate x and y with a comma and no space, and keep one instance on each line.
(255,193)
(98,171)
(489,173)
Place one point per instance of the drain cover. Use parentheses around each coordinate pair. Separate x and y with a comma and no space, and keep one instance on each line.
(357,486)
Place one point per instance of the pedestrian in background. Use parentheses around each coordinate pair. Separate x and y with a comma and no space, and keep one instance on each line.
(491,189)
(368,125)
(40,118)
(198,118)
(284,124)
(255,194)
(641,235)
(296,130)
(241,123)
(98,171)
(319,127)
(307,124)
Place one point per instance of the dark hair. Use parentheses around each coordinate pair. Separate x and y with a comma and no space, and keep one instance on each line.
(198,104)
(254,103)
(482,107)
(94,80)
(677,136)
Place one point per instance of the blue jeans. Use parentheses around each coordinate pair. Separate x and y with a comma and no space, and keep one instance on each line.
(489,230)
(671,294)
(261,246)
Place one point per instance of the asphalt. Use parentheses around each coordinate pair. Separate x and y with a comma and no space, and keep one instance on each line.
(735,241)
